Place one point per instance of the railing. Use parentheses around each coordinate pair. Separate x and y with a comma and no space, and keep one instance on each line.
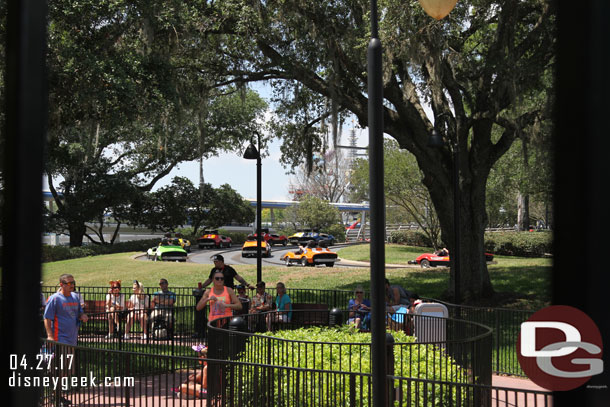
(505,323)
(245,369)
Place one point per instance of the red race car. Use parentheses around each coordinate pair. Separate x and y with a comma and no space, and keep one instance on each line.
(211,238)
(271,238)
(439,258)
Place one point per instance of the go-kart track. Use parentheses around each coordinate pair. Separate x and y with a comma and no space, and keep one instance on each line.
(233,256)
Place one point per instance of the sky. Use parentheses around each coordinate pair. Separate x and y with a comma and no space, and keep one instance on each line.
(231,168)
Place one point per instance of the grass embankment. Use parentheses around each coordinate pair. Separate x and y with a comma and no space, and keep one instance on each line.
(521,282)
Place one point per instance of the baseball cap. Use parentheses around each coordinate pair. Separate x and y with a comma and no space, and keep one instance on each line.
(217,257)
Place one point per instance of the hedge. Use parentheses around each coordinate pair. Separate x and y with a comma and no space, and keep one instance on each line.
(525,244)
(57,253)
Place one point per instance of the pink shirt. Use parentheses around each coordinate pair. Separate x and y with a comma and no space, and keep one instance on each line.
(215,309)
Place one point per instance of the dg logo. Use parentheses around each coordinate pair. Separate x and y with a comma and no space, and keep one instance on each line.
(560,348)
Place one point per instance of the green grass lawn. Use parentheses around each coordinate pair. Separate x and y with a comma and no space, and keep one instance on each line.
(521,282)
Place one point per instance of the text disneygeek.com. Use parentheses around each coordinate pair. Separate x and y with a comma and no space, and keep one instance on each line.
(65,383)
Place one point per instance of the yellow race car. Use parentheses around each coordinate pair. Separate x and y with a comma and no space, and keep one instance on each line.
(185,243)
(311,256)
(249,249)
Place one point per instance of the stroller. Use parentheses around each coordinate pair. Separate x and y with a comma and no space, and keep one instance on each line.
(161,324)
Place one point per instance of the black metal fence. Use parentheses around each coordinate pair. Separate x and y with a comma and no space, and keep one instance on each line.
(249,369)
(505,323)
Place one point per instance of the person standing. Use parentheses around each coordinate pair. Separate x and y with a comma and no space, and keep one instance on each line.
(63,315)
(222,299)
(228,272)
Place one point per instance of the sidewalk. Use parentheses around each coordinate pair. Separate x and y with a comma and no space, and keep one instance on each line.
(514,398)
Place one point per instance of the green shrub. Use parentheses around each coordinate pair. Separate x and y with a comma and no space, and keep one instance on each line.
(338,231)
(410,238)
(236,237)
(524,244)
(422,361)
(57,253)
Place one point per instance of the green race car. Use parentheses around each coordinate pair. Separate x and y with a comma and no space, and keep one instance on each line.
(167,251)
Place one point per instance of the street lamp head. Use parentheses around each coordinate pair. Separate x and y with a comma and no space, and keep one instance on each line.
(438,9)
(251,152)
(436,140)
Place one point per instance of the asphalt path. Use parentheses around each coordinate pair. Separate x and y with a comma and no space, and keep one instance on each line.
(232,256)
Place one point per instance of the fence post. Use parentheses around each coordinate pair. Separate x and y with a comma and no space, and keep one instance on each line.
(391,396)
(127,374)
(352,389)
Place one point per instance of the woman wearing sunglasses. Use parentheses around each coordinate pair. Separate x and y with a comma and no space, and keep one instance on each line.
(222,299)
(115,303)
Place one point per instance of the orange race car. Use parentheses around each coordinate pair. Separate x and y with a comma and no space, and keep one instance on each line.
(311,256)
(250,246)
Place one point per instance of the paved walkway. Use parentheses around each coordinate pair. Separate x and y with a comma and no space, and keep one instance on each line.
(503,398)
(155,392)
(148,391)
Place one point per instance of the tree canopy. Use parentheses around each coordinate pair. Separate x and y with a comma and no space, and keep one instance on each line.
(128,102)
(475,69)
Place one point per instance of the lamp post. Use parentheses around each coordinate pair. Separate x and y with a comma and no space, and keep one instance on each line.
(437,9)
(252,153)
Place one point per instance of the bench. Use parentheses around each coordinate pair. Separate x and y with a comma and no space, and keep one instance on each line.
(316,314)
(96,309)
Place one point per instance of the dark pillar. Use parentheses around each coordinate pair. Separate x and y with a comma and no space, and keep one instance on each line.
(377,202)
(26,118)
(582,143)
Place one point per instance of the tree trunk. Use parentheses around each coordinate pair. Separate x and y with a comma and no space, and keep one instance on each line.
(523,200)
(77,231)
(523,211)
(474,281)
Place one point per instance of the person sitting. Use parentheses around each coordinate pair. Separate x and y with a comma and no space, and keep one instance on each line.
(359,310)
(163,303)
(442,252)
(241,292)
(396,297)
(139,305)
(261,302)
(283,307)
(196,384)
(243,297)
(115,304)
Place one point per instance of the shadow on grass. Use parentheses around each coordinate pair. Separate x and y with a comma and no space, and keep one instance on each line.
(515,287)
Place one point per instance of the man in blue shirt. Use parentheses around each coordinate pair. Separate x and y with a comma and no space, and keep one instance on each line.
(64,313)
(163,302)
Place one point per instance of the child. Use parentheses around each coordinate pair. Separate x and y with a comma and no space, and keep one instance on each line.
(196,384)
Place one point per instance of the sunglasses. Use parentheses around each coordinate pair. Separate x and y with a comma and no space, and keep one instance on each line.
(116,288)
(359,292)
(219,278)
(69,282)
